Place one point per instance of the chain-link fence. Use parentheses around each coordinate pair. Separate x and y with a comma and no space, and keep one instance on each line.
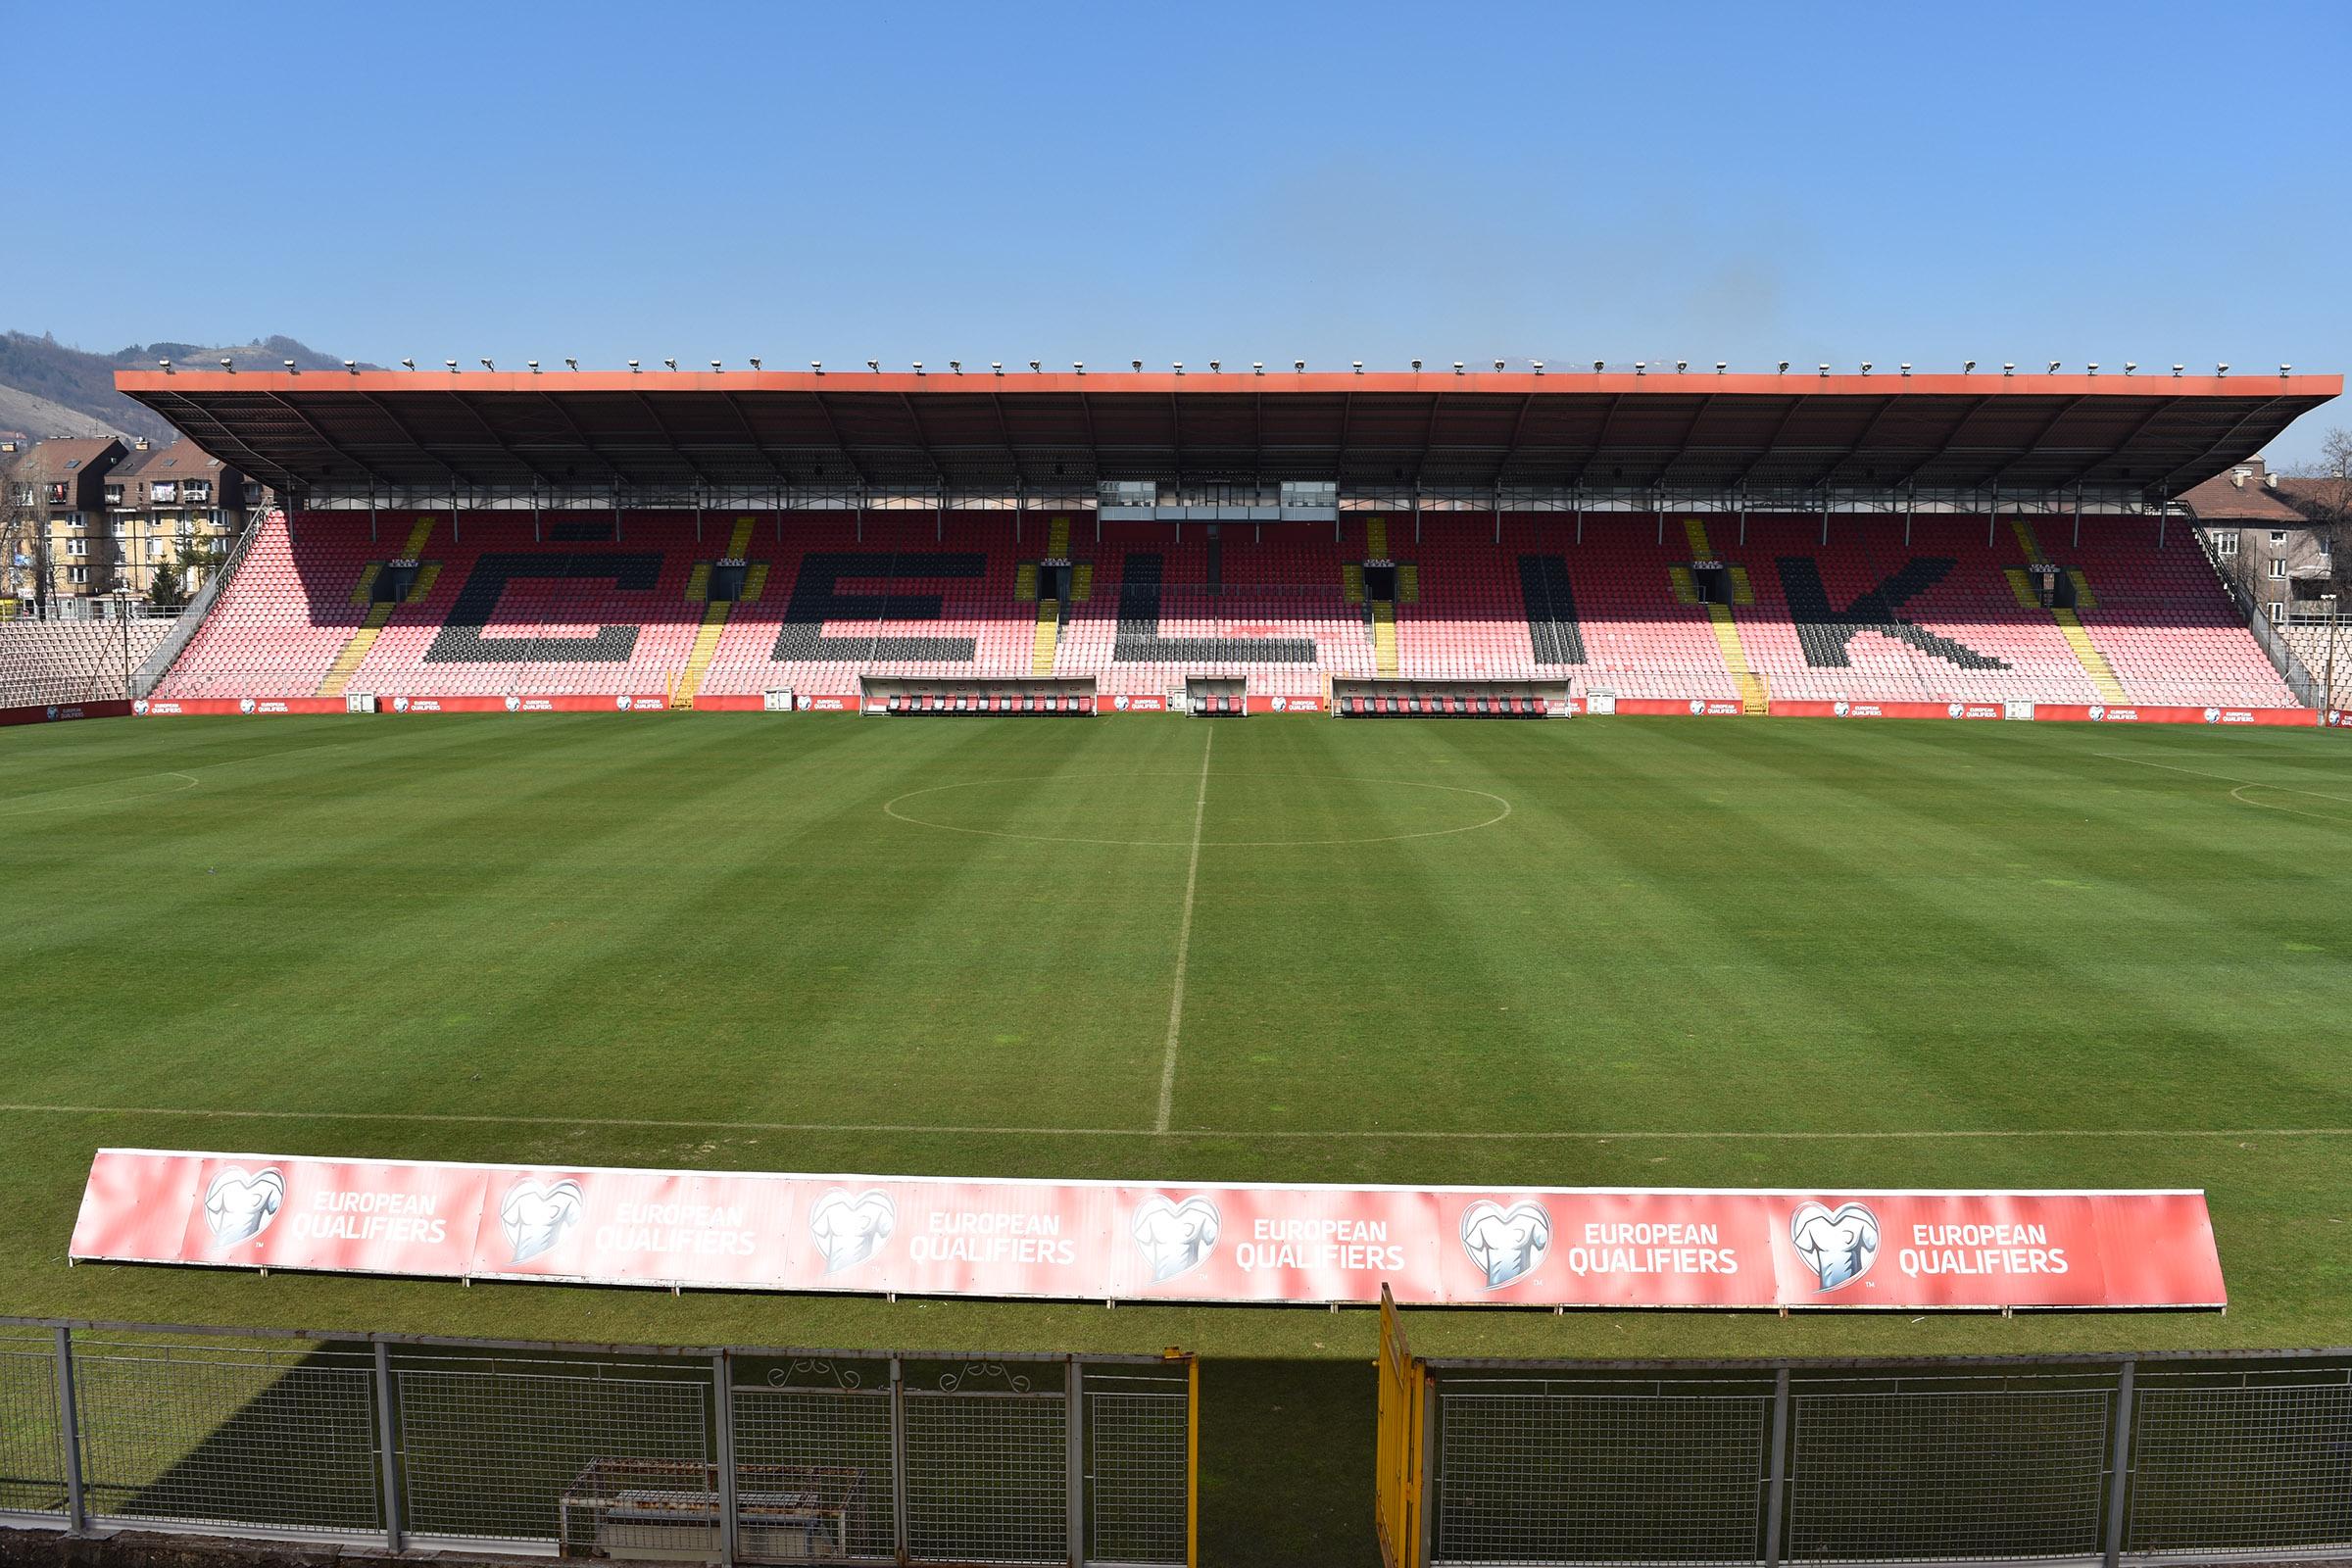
(2065,1460)
(757,1456)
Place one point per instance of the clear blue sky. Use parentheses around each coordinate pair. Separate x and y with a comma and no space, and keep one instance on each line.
(1105,183)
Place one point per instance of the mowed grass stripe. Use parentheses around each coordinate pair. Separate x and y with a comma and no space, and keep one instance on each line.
(1694,954)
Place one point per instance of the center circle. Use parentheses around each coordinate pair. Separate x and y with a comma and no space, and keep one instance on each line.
(1157,809)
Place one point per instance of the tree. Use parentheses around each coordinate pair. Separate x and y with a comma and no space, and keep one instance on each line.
(166,590)
(23,534)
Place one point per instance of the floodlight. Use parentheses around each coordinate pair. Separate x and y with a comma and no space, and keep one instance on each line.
(1078,365)
(1258,367)
(353,366)
(1783,366)
(715,365)
(1135,364)
(1499,365)
(633,366)
(410,363)
(1416,364)
(672,363)
(453,365)
(2092,366)
(1722,366)
(1033,365)
(570,364)
(874,366)
(1360,365)
(817,367)
(2008,369)
(2053,367)
(486,365)
(2178,368)
(1865,367)
(167,365)
(1597,366)
(1906,367)
(1214,367)
(2284,368)
(1969,369)
(1179,367)
(1457,366)
(997,365)
(918,366)
(230,366)
(1825,366)
(1679,365)
(955,366)
(1538,365)
(535,364)
(1299,365)
(2130,365)
(291,370)
(1640,366)
(2222,369)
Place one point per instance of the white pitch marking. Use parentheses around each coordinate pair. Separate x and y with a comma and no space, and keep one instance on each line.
(1184,945)
(2223,778)
(1249,1134)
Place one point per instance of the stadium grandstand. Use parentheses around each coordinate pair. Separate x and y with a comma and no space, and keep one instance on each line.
(1040,542)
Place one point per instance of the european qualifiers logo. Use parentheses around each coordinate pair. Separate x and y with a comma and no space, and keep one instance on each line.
(1175,1238)
(1506,1244)
(239,1204)
(536,1216)
(1839,1244)
(851,1227)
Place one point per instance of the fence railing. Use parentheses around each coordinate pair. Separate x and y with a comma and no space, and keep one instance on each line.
(2069,1460)
(721,1455)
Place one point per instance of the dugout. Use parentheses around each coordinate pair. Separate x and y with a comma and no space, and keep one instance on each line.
(1449,699)
(1216,696)
(932,697)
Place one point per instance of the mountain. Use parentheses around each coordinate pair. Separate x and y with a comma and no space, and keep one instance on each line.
(40,377)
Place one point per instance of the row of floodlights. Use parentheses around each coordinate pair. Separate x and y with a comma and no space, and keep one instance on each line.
(1258,367)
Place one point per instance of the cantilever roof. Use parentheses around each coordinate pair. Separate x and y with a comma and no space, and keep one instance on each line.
(970,433)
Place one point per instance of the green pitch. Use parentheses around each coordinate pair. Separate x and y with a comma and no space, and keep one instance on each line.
(1597,951)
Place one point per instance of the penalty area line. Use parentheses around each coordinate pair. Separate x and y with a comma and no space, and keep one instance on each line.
(1253,1133)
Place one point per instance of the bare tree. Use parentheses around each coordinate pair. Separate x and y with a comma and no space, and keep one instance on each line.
(2323,492)
(23,532)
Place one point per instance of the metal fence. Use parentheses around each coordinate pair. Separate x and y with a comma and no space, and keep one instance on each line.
(2061,1461)
(718,1455)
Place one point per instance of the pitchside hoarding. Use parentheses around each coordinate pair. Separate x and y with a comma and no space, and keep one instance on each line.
(1132,1241)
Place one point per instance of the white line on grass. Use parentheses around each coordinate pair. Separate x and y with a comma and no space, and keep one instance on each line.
(1251,1134)
(2223,778)
(1184,945)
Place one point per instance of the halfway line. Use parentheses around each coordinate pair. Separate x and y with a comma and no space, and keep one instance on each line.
(1184,945)
(1249,1133)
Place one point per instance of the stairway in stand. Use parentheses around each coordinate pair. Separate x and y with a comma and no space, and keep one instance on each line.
(715,611)
(354,652)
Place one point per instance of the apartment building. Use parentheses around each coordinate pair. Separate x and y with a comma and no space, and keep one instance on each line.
(178,504)
(54,537)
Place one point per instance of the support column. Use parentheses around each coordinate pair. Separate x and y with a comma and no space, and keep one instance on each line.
(386,1459)
(1073,1426)
(899,1532)
(722,1383)
(2119,1465)
(68,1436)
(1776,1469)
